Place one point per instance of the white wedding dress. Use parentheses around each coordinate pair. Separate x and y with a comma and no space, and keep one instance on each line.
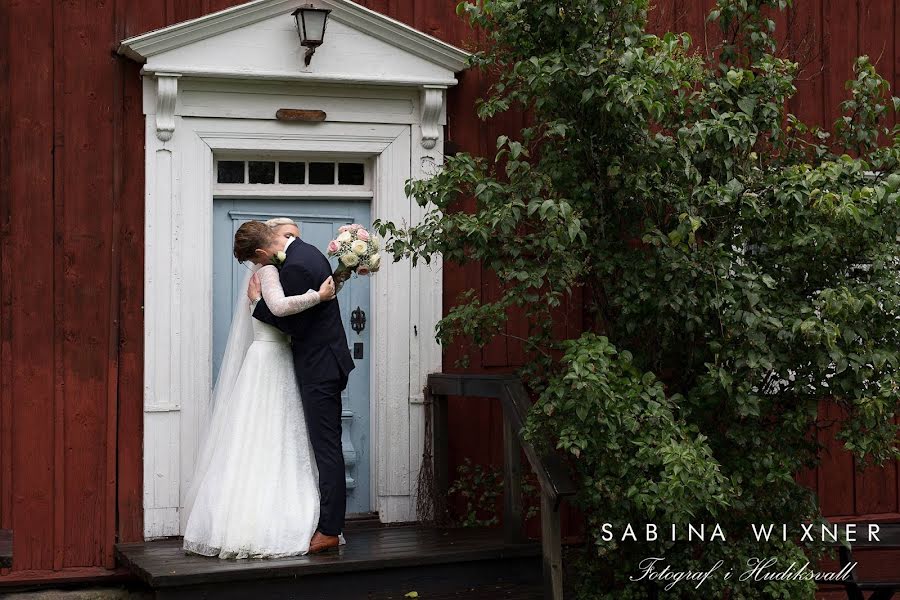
(255,491)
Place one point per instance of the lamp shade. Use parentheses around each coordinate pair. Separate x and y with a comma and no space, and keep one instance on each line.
(311,24)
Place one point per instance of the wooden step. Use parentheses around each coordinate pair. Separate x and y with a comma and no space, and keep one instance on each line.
(376,564)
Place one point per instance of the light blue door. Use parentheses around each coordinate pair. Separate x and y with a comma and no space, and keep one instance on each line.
(318,221)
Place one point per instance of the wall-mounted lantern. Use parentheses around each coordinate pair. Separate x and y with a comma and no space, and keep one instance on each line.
(311,27)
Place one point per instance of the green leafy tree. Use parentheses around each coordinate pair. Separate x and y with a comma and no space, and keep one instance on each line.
(739,266)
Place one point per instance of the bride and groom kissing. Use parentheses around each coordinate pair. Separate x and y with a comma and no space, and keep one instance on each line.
(269,480)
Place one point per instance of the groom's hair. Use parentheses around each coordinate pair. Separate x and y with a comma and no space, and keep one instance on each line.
(250,237)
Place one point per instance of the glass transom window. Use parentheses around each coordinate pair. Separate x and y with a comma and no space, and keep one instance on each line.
(315,173)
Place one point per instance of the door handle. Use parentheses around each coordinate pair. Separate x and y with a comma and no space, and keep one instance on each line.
(358,320)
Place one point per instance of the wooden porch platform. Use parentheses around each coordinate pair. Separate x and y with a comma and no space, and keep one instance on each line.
(379,563)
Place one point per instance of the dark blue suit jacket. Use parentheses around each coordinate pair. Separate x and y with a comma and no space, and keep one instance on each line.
(318,340)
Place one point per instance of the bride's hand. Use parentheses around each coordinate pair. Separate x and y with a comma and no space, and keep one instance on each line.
(254,290)
(326,290)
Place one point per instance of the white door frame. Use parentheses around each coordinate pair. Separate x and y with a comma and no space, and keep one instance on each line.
(406,302)
(215,84)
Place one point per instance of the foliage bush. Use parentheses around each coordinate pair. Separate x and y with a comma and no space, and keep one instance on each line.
(739,266)
(480,488)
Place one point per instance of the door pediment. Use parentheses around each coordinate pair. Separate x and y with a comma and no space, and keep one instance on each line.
(258,40)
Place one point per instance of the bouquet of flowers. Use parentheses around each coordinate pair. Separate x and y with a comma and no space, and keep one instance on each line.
(356,250)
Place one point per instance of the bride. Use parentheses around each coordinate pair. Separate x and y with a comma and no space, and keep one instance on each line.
(255,492)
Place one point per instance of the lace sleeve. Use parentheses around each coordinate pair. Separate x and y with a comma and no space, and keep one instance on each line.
(278,303)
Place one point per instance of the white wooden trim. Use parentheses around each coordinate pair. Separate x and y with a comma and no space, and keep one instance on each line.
(257,75)
(280,192)
(142,47)
(341,103)
(178,330)
(204,96)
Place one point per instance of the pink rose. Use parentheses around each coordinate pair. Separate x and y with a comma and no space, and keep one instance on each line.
(333,246)
(362,271)
(355,226)
(343,228)
(363,235)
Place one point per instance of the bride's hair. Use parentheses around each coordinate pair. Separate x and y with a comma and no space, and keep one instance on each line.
(279,221)
(250,237)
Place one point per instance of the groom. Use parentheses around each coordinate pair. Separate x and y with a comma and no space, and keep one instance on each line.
(322,362)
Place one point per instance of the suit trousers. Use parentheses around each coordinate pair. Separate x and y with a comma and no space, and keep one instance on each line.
(322,408)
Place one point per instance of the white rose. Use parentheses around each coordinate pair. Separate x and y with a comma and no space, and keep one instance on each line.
(350,260)
(376,243)
(359,247)
(344,237)
(374,262)
(280,256)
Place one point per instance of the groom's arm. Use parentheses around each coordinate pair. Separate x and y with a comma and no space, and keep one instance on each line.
(293,277)
(262,313)
(296,280)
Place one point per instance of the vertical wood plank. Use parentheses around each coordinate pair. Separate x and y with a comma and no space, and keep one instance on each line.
(690,17)
(876,38)
(30,338)
(139,16)
(185,10)
(841,47)
(876,490)
(84,161)
(661,17)
(517,328)
(402,10)
(470,420)
(378,6)
(782,32)
(512,484)
(494,353)
(836,486)
(896,32)
(875,32)
(441,455)
(551,542)
(217,5)
(809,477)
(806,23)
(5,280)
(117,140)
(59,402)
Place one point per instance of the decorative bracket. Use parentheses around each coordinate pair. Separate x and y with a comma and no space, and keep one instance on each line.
(166,94)
(432,109)
(358,320)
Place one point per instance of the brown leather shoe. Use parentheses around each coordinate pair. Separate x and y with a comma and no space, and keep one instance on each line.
(321,542)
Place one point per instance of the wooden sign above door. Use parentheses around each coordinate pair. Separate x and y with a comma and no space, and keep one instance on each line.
(299,114)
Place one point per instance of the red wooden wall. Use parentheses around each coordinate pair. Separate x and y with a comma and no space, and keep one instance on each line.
(71,239)
(825,37)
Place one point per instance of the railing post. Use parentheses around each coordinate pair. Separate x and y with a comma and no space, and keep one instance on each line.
(551,541)
(512,484)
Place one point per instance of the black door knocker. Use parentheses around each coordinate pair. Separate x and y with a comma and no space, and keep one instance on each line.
(358,320)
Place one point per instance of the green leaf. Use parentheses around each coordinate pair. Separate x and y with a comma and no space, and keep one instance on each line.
(747,104)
